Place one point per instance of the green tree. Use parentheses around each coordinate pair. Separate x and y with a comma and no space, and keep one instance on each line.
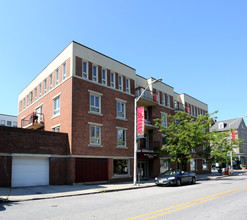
(184,134)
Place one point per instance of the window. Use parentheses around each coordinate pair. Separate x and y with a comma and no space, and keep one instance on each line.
(113,80)
(121,109)
(221,125)
(204,165)
(27,101)
(168,101)
(121,137)
(85,69)
(95,103)
(162,101)
(20,107)
(95,134)
(44,86)
(31,97)
(64,71)
(56,129)
(2,122)
(24,103)
(35,94)
(50,82)
(104,77)
(193,165)
(120,167)
(14,124)
(120,83)
(56,105)
(9,123)
(95,73)
(128,85)
(57,77)
(39,89)
(191,113)
(164,119)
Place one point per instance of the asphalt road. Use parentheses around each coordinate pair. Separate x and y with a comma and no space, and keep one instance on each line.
(215,199)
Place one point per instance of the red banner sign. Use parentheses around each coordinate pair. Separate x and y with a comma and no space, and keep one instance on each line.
(234,134)
(140,122)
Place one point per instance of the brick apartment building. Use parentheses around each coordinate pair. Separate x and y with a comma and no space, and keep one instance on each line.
(90,97)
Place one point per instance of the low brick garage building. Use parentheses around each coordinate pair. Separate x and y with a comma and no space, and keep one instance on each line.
(29,157)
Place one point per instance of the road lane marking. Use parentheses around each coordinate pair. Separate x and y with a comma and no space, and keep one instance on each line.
(191,203)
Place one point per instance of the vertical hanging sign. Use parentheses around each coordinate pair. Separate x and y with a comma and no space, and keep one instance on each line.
(140,122)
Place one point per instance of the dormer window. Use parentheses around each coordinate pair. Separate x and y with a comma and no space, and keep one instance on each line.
(221,125)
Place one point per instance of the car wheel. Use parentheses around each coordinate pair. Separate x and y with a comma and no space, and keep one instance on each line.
(178,182)
(193,181)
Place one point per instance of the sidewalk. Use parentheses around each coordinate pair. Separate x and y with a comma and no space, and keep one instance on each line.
(46,192)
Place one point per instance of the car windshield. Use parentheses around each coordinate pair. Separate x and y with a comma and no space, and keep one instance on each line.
(170,173)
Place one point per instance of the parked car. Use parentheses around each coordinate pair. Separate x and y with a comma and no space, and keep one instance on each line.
(172,177)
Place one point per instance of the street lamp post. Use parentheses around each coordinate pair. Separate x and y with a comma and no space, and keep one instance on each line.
(135,129)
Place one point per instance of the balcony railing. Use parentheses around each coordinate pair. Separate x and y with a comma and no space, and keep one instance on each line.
(33,121)
(148,95)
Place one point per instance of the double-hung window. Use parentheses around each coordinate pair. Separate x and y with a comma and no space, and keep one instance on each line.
(168,101)
(95,102)
(162,99)
(128,85)
(95,134)
(64,71)
(50,82)
(45,85)
(113,80)
(120,83)
(2,122)
(9,123)
(56,106)
(121,137)
(164,119)
(24,103)
(95,73)
(85,69)
(121,109)
(104,76)
(57,76)
(40,90)
(35,94)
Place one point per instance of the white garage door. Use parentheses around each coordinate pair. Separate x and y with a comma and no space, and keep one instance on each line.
(28,171)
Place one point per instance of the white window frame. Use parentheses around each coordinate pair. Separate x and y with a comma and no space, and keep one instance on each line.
(56,111)
(193,165)
(10,125)
(3,123)
(40,90)
(50,81)
(92,143)
(56,128)
(85,74)
(35,93)
(124,130)
(27,100)
(64,70)
(127,85)
(15,124)
(163,114)
(91,107)
(221,125)
(57,76)
(163,100)
(24,103)
(120,79)
(95,74)
(45,86)
(168,101)
(204,162)
(122,103)
(112,83)
(104,80)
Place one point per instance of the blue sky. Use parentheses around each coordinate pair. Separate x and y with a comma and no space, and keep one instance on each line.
(198,47)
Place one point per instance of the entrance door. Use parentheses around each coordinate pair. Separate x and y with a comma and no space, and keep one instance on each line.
(143,169)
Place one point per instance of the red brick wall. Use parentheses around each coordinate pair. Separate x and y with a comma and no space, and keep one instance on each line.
(81,117)
(18,140)
(5,171)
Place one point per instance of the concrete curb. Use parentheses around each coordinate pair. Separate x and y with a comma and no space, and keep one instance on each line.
(7,200)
